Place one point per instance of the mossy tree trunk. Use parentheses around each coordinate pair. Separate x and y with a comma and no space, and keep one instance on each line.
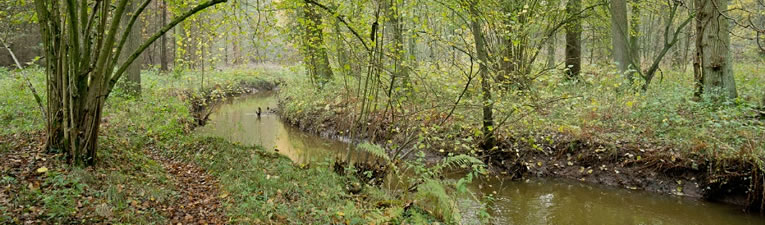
(314,50)
(634,35)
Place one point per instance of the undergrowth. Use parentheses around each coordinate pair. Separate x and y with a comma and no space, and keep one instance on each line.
(128,185)
(601,110)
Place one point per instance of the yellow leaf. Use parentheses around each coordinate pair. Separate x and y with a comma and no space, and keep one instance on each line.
(42,169)
(630,103)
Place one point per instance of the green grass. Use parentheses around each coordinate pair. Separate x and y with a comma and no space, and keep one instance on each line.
(18,109)
(256,187)
(262,187)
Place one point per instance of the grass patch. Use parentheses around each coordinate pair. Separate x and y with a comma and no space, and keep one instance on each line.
(130,186)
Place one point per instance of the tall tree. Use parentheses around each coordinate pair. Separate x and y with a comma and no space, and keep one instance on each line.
(634,35)
(671,37)
(133,73)
(483,70)
(315,52)
(573,40)
(81,47)
(163,42)
(713,69)
(551,50)
(401,71)
(619,34)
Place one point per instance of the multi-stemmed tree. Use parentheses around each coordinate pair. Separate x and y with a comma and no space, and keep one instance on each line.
(82,44)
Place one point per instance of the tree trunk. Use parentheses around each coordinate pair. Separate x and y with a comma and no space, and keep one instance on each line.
(80,67)
(619,34)
(573,40)
(316,56)
(713,69)
(634,36)
(483,58)
(401,70)
(342,55)
(551,50)
(132,84)
(163,42)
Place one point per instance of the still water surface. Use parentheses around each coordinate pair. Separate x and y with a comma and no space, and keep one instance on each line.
(534,201)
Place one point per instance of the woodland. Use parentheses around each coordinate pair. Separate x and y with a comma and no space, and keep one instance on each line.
(382,111)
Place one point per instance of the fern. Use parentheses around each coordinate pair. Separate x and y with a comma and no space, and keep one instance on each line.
(434,197)
(374,149)
(459,161)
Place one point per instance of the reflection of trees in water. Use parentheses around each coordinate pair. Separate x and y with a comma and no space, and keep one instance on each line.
(559,202)
(536,202)
(237,121)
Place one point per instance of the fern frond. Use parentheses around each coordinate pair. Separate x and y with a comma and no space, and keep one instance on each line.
(433,196)
(373,149)
(458,161)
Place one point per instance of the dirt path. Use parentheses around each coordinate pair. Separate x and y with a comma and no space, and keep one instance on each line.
(198,199)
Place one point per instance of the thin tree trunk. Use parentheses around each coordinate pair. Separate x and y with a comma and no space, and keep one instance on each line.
(634,36)
(551,50)
(163,42)
(483,58)
(37,97)
(573,41)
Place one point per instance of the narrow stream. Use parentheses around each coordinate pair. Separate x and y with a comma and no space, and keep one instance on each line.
(534,201)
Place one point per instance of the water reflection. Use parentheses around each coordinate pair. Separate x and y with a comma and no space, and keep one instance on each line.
(543,201)
(538,201)
(237,121)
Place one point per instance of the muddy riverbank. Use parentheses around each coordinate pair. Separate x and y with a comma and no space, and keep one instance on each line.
(634,166)
(544,194)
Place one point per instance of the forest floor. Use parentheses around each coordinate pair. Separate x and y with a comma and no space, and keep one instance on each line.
(659,141)
(152,169)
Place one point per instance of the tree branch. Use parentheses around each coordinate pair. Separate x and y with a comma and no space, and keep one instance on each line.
(341,19)
(128,29)
(38,99)
(153,38)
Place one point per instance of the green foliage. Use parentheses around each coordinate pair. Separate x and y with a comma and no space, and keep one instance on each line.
(18,110)
(62,201)
(373,149)
(433,196)
(262,187)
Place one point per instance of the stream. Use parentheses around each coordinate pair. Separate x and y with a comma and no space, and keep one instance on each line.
(531,201)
